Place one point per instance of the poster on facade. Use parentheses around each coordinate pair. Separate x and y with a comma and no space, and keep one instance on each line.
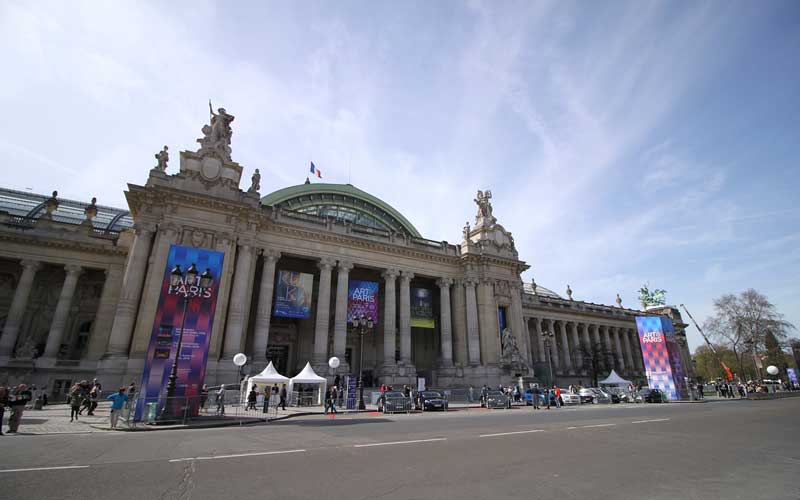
(362,298)
(661,356)
(161,352)
(792,374)
(293,295)
(422,308)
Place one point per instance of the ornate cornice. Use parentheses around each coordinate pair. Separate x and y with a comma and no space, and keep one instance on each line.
(62,243)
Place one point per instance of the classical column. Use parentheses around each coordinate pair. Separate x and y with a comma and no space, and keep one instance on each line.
(576,346)
(322,324)
(340,313)
(520,328)
(473,331)
(405,317)
(587,342)
(446,337)
(537,327)
(551,328)
(389,317)
(459,313)
(533,355)
(597,346)
(62,311)
(125,315)
(236,309)
(264,308)
(618,346)
(18,305)
(608,350)
(626,342)
(637,350)
(562,330)
(103,318)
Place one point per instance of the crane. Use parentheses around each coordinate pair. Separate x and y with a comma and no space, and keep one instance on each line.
(728,373)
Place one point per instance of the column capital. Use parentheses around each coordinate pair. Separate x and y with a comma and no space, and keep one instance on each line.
(326,263)
(406,276)
(444,282)
(33,265)
(270,254)
(73,269)
(144,228)
(390,274)
(345,266)
(471,282)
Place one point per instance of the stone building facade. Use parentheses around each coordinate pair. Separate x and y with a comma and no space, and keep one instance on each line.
(80,283)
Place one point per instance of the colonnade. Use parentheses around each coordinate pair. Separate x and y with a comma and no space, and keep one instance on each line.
(576,346)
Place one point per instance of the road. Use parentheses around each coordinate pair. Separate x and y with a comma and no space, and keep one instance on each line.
(731,450)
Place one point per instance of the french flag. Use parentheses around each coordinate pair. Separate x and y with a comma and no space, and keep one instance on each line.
(315,170)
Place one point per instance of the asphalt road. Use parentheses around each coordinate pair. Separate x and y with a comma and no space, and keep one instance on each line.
(731,450)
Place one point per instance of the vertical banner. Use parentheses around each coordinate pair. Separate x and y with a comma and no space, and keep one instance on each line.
(362,298)
(792,374)
(662,362)
(422,308)
(293,295)
(200,308)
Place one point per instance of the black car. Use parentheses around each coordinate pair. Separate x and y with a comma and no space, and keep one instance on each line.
(394,401)
(496,399)
(430,400)
(650,396)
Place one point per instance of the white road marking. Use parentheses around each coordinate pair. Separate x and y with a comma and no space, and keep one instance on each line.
(654,420)
(597,425)
(237,455)
(510,433)
(399,442)
(47,468)
(571,427)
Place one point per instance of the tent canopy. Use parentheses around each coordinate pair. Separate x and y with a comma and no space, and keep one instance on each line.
(270,374)
(614,379)
(308,376)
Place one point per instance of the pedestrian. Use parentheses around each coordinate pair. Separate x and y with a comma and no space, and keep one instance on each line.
(203,396)
(17,402)
(535,395)
(557,394)
(118,401)
(3,404)
(251,399)
(547,397)
(484,392)
(221,400)
(282,402)
(330,396)
(470,396)
(75,400)
(94,393)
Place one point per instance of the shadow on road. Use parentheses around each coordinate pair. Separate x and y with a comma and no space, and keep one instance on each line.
(331,421)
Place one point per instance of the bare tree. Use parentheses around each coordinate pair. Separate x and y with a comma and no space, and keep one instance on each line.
(741,323)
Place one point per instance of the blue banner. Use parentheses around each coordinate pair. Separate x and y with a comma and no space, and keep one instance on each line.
(293,295)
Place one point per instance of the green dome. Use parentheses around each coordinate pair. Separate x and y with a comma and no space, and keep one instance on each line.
(341,201)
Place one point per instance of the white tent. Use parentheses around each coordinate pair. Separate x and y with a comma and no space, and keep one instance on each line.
(614,379)
(264,380)
(308,376)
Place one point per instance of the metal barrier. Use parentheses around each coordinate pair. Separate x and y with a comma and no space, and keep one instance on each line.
(182,410)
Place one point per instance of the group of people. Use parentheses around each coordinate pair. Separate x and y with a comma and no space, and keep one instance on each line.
(274,394)
(15,399)
(85,396)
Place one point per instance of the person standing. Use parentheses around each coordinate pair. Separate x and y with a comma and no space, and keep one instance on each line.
(329,400)
(221,400)
(3,404)
(118,401)
(21,397)
(131,394)
(547,396)
(252,396)
(535,394)
(75,400)
(282,402)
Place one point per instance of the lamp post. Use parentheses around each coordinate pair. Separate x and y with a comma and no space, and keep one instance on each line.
(549,337)
(364,324)
(176,277)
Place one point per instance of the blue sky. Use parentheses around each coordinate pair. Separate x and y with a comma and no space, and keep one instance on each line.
(624,142)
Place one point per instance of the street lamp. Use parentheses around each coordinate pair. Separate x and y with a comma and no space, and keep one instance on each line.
(549,337)
(364,324)
(176,278)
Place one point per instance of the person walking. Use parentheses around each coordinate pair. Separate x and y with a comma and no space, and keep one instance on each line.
(94,393)
(329,401)
(557,394)
(535,395)
(75,400)
(547,396)
(3,404)
(282,402)
(118,401)
(252,396)
(131,395)
(221,400)
(21,397)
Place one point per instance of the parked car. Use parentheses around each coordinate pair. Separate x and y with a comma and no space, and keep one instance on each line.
(496,399)
(430,400)
(600,397)
(651,396)
(567,398)
(613,396)
(586,395)
(394,401)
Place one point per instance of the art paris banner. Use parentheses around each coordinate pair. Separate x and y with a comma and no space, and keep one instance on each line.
(293,295)
(662,357)
(167,326)
(362,298)
(422,308)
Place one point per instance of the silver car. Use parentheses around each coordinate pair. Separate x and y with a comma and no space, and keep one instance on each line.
(569,398)
(600,397)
